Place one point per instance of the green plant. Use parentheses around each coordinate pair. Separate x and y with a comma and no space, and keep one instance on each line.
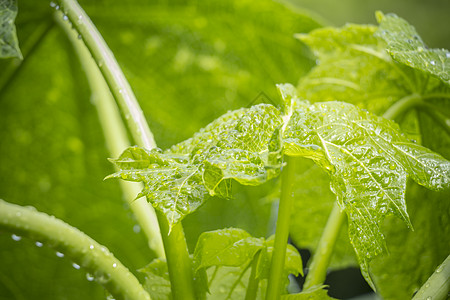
(367,160)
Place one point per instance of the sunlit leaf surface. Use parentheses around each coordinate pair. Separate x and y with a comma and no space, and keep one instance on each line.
(407,47)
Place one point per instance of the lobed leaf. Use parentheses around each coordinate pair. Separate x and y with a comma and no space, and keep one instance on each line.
(9,45)
(234,247)
(314,293)
(369,162)
(179,181)
(171,184)
(352,66)
(157,281)
(231,247)
(406,47)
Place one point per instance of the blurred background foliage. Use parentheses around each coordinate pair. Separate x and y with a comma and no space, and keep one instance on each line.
(188,63)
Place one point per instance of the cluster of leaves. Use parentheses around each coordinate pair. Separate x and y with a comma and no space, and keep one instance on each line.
(368,158)
(224,262)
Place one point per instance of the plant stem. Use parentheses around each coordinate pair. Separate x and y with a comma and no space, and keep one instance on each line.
(76,245)
(253,282)
(282,229)
(437,286)
(111,71)
(324,250)
(175,245)
(178,261)
(402,106)
(116,138)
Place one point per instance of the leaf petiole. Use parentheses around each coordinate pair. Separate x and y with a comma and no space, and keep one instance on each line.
(282,230)
(253,281)
(324,250)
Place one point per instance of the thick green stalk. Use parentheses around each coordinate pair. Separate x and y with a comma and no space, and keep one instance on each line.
(178,260)
(76,245)
(437,286)
(116,138)
(253,282)
(282,230)
(177,257)
(324,251)
(110,69)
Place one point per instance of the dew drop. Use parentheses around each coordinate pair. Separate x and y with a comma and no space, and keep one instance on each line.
(59,254)
(447,54)
(392,166)
(16,237)
(433,62)
(39,244)
(114,265)
(79,36)
(137,228)
(91,247)
(76,266)
(52,4)
(429,298)
(65,17)
(89,277)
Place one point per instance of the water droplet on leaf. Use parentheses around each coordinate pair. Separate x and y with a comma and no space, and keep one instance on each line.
(16,237)
(76,266)
(59,254)
(89,277)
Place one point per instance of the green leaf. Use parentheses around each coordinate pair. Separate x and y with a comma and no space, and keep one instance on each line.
(352,66)
(413,255)
(236,248)
(157,281)
(292,263)
(369,161)
(173,186)
(406,47)
(314,293)
(236,146)
(9,45)
(231,247)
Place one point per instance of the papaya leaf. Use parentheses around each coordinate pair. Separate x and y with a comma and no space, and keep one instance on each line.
(9,45)
(157,281)
(236,248)
(406,47)
(352,66)
(179,181)
(292,263)
(231,247)
(369,161)
(173,186)
(314,293)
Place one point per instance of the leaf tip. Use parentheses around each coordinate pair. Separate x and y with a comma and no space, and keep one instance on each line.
(379,16)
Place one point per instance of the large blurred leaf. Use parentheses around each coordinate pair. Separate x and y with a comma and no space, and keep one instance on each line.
(192,61)
(54,157)
(9,46)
